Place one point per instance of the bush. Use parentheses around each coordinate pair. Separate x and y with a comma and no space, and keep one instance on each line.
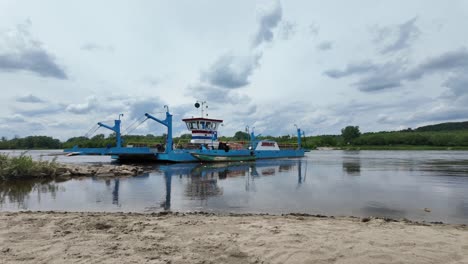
(22,167)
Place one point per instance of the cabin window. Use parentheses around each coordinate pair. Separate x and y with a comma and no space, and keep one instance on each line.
(208,125)
(202,125)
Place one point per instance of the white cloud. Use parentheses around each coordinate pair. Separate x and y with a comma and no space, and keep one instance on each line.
(231,71)
(20,51)
(84,108)
(395,38)
(89,46)
(287,29)
(325,45)
(269,16)
(29,99)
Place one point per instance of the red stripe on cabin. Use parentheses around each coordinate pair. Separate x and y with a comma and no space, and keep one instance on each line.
(202,131)
(202,119)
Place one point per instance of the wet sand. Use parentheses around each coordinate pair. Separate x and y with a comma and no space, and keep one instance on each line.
(51,237)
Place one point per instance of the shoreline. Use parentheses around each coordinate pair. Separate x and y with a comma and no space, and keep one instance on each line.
(395,148)
(362,218)
(197,237)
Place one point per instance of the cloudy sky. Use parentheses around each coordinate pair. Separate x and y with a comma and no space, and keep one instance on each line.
(323,65)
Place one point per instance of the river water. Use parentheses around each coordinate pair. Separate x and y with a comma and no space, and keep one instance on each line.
(418,185)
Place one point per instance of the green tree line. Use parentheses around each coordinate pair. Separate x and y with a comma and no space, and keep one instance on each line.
(31,142)
(443,138)
(97,141)
(440,135)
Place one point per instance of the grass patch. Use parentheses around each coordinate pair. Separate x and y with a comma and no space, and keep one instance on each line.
(24,167)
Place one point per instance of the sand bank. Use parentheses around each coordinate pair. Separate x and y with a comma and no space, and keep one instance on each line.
(199,238)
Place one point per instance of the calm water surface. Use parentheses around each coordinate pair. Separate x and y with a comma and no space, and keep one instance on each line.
(393,184)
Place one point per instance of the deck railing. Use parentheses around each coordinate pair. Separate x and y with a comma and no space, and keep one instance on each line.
(185,144)
(287,145)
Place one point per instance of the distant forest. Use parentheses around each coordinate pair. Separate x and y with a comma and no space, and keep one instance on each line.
(444,127)
(454,134)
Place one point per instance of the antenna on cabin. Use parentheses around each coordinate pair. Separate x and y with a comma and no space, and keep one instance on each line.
(203,106)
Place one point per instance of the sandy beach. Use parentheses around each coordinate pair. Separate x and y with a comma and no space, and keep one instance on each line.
(54,237)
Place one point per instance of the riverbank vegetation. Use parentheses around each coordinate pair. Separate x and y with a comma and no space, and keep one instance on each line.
(24,167)
(433,137)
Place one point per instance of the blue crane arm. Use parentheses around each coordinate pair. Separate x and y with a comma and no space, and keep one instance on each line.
(167,123)
(106,126)
(116,129)
(162,122)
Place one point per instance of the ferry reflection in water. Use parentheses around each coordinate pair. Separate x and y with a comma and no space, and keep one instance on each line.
(203,179)
(199,182)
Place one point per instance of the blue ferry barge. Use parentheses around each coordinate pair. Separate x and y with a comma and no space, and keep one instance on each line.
(204,142)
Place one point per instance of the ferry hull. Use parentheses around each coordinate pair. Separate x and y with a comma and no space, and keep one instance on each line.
(286,153)
(125,154)
(223,158)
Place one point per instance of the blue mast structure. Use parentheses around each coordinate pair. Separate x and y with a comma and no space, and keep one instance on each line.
(116,129)
(167,123)
(253,139)
(299,139)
